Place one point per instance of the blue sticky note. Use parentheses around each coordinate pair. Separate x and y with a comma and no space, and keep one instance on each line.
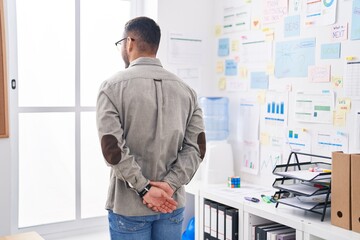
(292,26)
(292,58)
(330,51)
(230,68)
(224,47)
(259,80)
(355,20)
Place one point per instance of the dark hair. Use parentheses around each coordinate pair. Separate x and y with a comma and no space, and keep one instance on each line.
(146,31)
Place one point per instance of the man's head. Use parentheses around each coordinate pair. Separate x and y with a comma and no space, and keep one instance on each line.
(142,39)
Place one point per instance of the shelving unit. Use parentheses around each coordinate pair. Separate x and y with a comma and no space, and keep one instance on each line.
(307,225)
(301,188)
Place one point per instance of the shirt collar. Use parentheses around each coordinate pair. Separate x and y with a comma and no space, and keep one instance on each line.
(146,61)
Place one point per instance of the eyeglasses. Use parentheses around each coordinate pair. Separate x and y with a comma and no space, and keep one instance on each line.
(119,42)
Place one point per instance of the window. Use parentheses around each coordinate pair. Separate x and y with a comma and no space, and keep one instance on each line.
(65,49)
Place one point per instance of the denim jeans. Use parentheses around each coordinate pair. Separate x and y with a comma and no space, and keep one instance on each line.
(163,226)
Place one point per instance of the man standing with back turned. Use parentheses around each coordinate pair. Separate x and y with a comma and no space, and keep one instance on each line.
(152,136)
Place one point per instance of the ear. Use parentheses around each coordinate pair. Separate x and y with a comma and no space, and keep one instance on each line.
(130,45)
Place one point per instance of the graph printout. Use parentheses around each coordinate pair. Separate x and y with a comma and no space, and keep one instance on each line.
(314,107)
(276,109)
(351,82)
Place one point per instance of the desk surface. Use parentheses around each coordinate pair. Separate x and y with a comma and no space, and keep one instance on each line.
(23,236)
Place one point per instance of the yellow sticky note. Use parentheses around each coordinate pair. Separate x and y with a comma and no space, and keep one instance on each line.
(270,69)
(337,81)
(350,58)
(339,118)
(269,34)
(343,105)
(261,97)
(264,138)
(235,45)
(218,30)
(222,83)
(220,66)
(243,73)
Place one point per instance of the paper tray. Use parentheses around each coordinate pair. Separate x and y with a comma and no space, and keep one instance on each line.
(295,202)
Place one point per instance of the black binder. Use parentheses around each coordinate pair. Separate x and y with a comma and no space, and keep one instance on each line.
(214,220)
(232,218)
(207,219)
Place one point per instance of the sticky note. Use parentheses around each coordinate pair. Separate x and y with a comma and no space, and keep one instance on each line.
(330,51)
(223,47)
(230,67)
(243,73)
(264,138)
(261,97)
(339,118)
(292,26)
(222,83)
(220,66)
(343,104)
(319,73)
(235,45)
(259,80)
(218,30)
(337,81)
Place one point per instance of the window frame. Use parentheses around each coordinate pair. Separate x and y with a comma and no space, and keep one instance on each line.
(79,225)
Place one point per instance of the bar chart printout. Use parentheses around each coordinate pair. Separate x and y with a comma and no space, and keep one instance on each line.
(276,109)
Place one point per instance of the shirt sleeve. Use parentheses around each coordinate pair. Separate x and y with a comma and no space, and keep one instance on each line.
(113,145)
(192,152)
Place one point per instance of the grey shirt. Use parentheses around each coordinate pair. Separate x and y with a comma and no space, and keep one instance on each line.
(151,128)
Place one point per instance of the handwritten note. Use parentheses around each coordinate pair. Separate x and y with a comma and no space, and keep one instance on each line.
(292,58)
(224,47)
(339,32)
(355,21)
(343,104)
(230,68)
(220,67)
(292,26)
(274,10)
(319,73)
(330,51)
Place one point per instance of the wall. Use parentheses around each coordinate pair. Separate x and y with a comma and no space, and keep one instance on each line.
(288,86)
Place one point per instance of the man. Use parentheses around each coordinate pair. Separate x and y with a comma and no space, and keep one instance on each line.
(152,136)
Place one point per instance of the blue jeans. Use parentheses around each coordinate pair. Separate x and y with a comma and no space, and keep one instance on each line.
(163,226)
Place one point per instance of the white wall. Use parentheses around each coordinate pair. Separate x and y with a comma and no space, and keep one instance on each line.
(322,35)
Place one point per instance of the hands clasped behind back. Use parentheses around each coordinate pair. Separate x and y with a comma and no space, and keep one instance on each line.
(159,198)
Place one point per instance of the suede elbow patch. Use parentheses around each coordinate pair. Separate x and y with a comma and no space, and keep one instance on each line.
(201,141)
(110,149)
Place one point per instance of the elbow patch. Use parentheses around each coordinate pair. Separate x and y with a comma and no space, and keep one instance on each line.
(201,141)
(110,149)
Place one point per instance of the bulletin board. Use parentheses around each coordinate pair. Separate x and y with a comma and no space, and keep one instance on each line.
(291,71)
(4,131)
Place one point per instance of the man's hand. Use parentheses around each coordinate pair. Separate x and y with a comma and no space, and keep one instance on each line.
(164,186)
(158,200)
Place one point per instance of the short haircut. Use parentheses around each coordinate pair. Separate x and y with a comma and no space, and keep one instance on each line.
(146,31)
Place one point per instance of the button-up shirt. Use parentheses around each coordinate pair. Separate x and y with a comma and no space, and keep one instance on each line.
(150,127)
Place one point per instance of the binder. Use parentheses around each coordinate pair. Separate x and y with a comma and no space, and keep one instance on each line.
(287,236)
(272,235)
(214,220)
(221,221)
(232,224)
(258,229)
(263,230)
(207,219)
